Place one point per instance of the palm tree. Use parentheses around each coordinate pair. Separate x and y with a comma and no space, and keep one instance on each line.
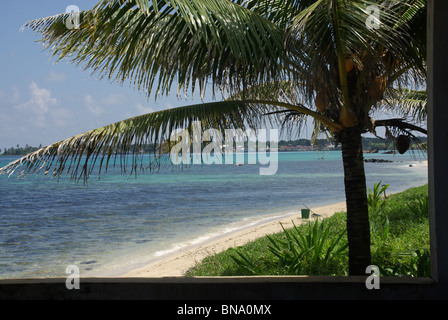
(276,61)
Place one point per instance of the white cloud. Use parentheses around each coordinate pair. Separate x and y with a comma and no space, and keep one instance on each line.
(39,103)
(143,110)
(93,106)
(40,100)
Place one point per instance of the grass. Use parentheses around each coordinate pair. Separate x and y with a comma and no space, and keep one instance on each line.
(399,243)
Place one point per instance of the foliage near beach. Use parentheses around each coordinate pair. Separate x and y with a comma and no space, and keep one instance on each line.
(399,243)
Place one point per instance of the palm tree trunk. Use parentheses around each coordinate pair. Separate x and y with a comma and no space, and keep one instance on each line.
(358,229)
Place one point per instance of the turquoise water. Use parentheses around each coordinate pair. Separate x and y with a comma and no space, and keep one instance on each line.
(120,222)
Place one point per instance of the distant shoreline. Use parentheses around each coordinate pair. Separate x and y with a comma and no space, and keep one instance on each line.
(370,145)
(381,152)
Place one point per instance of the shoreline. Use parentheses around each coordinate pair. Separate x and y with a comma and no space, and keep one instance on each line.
(176,264)
(137,244)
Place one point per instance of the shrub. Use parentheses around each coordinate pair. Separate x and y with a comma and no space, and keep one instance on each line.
(399,243)
(374,197)
(310,250)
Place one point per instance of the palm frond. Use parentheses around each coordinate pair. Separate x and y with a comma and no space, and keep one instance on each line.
(407,103)
(154,43)
(402,134)
(273,57)
(328,33)
(122,141)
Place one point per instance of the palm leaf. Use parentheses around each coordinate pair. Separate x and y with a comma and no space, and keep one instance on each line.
(256,51)
(407,103)
(326,34)
(158,42)
(122,140)
(79,154)
(410,107)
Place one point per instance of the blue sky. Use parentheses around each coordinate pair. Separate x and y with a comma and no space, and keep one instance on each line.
(42,102)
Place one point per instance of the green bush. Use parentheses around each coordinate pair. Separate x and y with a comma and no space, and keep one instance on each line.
(303,251)
(400,234)
(399,243)
(374,197)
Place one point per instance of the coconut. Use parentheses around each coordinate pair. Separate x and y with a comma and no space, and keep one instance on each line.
(349,65)
(321,102)
(402,143)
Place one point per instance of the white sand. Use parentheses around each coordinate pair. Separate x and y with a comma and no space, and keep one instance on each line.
(177,264)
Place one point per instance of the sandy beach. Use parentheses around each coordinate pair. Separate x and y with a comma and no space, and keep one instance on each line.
(175,265)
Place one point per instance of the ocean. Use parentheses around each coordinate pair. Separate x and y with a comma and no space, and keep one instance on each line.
(120,222)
